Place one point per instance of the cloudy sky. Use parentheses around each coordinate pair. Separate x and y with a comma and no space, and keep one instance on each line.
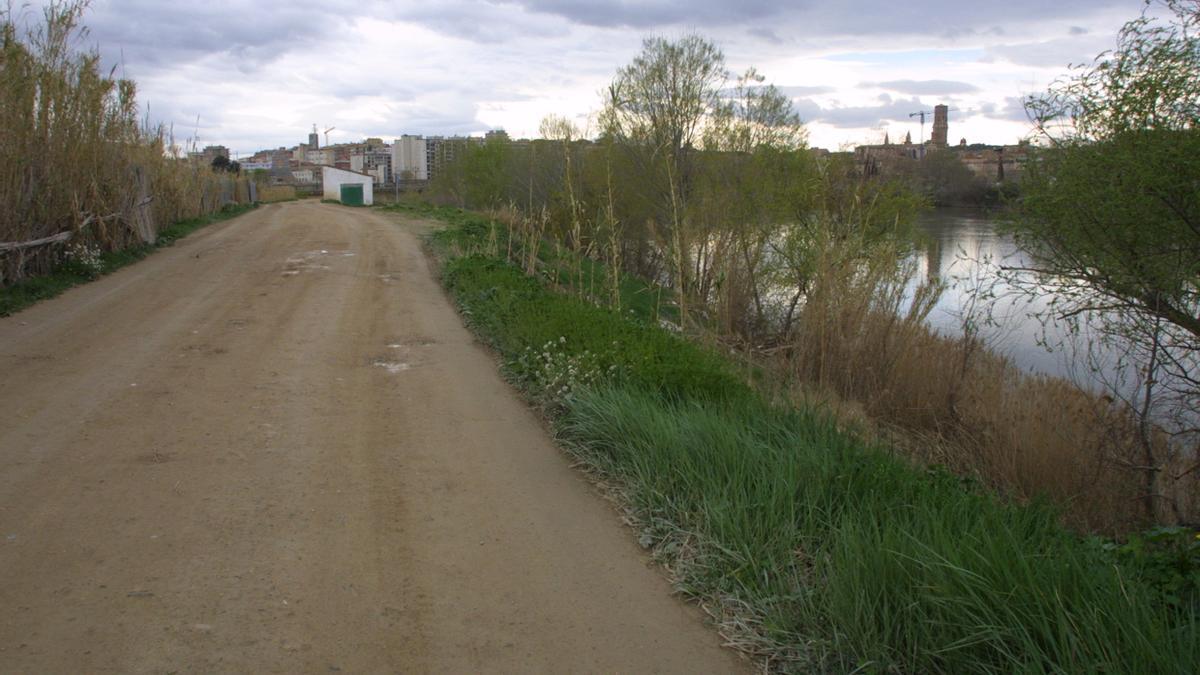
(252,74)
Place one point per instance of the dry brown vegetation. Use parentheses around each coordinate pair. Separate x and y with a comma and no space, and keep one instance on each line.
(76,163)
(276,193)
(956,403)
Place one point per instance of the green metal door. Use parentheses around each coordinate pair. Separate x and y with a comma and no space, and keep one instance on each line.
(352,195)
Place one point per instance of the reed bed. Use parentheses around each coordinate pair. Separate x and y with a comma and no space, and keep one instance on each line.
(956,403)
(77,164)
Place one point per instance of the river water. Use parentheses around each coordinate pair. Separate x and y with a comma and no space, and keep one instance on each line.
(964,249)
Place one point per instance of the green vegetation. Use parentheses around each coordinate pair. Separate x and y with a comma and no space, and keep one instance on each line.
(698,204)
(644,301)
(815,544)
(516,312)
(89,265)
(816,549)
(943,177)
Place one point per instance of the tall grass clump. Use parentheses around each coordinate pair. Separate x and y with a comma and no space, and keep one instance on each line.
(77,165)
(861,336)
(852,559)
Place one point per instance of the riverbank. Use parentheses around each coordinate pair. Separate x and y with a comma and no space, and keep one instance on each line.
(813,547)
(91,266)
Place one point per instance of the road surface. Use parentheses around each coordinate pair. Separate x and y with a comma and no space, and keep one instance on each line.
(273,447)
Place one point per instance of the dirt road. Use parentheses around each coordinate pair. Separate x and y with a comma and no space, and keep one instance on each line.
(274,448)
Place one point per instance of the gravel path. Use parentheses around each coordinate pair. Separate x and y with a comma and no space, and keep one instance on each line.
(275,448)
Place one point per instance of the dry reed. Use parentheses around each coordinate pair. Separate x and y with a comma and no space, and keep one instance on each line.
(75,160)
(954,402)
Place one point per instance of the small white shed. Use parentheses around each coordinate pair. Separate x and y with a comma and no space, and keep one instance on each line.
(348,187)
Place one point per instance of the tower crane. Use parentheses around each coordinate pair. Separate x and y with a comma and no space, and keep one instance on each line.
(921,114)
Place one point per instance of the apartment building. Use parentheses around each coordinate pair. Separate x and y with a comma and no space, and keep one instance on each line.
(410,160)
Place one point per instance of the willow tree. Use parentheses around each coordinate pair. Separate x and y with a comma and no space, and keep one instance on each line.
(755,182)
(657,108)
(1110,217)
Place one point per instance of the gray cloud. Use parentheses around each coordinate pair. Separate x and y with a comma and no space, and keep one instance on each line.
(266,69)
(943,17)
(924,87)
(807,109)
(653,13)
(475,20)
(1052,53)
(765,34)
(853,117)
(1012,109)
(152,35)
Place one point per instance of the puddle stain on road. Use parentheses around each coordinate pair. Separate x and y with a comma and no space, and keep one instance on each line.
(406,353)
(308,261)
(392,367)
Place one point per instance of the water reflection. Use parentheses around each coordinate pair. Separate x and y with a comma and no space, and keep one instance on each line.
(964,249)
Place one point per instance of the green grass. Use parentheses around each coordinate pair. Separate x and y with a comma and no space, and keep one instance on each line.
(515,312)
(822,550)
(18,296)
(854,559)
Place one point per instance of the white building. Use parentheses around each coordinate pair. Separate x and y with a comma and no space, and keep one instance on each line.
(333,180)
(409,159)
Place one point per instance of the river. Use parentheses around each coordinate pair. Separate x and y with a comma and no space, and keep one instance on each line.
(963,248)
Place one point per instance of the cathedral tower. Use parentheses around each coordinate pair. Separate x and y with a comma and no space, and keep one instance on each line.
(941,125)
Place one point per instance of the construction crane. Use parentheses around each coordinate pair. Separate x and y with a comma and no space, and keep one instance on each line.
(921,114)
(327,135)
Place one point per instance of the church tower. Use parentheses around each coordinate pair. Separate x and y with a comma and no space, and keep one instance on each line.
(941,125)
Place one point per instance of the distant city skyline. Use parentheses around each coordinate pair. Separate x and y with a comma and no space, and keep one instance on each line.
(256,75)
